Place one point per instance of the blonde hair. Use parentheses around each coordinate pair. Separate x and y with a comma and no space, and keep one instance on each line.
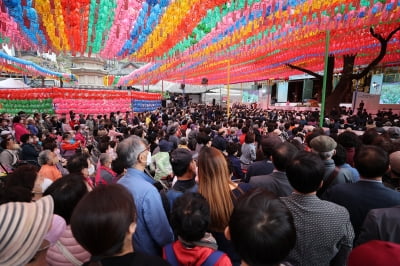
(214,181)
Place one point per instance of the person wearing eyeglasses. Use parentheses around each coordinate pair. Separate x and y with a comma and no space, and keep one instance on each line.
(153,229)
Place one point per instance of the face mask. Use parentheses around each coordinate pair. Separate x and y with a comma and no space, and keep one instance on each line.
(72,141)
(91,169)
(148,161)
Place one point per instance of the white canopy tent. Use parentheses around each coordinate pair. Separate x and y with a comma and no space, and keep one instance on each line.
(11,83)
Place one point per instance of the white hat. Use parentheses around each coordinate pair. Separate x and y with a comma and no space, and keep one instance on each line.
(23,227)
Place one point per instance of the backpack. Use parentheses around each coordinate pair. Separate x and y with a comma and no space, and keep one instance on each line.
(210,261)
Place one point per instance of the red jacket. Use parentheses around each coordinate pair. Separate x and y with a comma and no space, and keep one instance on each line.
(66,146)
(195,256)
(20,130)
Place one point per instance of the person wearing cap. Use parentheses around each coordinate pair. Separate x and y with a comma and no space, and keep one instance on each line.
(173,134)
(22,239)
(369,192)
(153,229)
(325,148)
(184,168)
(160,162)
(323,229)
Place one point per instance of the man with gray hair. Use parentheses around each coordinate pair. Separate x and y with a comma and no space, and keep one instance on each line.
(325,147)
(153,229)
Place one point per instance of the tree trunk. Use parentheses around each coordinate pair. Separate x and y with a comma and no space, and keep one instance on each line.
(329,81)
(344,85)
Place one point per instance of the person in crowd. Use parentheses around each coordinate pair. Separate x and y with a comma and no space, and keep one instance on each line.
(340,161)
(173,134)
(23,238)
(277,181)
(381,224)
(51,145)
(350,141)
(391,179)
(113,133)
(32,126)
(79,164)
(369,192)
(105,227)
(375,252)
(19,127)
(65,126)
(9,156)
(248,151)
(4,126)
(243,132)
(21,185)
(66,193)
(90,123)
(68,145)
(216,186)
(323,229)
(48,169)
(190,218)
(265,166)
(184,168)
(183,143)
(104,174)
(153,231)
(160,163)
(261,229)
(46,123)
(325,147)
(232,150)
(219,140)
(28,151)
(202,140)
(81,134)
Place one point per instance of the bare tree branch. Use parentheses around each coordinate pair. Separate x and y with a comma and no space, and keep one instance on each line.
(382,53)
(392,33)
(309,72)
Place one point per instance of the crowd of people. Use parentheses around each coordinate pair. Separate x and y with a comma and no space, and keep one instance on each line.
(194,186)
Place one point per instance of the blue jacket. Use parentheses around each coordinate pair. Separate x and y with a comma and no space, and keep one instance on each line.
(153,230)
